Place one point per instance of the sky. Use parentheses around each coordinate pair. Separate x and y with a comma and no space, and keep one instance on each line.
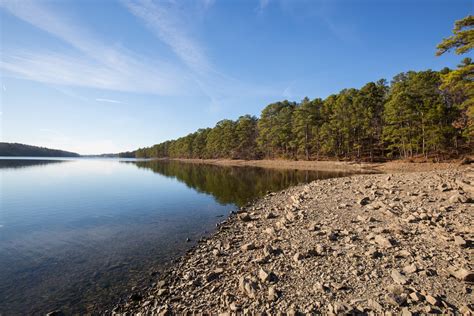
(103,76)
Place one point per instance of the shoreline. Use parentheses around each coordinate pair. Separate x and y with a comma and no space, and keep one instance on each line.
(394,166)
(363,243)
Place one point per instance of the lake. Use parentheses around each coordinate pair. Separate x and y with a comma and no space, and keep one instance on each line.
(78,234)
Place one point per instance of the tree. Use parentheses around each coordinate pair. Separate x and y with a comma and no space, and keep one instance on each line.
(417,118)
(463,39)
(459,84)
(246,137)
(306,126)
(275,129)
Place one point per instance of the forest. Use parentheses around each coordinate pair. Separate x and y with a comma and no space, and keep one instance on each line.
(419,113)
(22,150)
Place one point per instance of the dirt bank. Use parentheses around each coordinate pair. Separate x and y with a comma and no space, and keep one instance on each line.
(361,244)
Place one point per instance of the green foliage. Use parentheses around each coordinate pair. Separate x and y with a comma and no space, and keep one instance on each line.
(459,84)
(275,130)
(417,115)
(419,120)
(463,39)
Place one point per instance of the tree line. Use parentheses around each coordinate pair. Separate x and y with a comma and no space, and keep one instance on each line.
(427,113)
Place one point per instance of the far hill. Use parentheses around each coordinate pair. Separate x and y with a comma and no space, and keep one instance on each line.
(22,150)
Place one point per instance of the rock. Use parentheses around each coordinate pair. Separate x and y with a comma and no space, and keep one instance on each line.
(270,231)
(319,250)
(333,236)
(161,292)
(272,294)
(313,227)
(165,311)
(382,241)
(298,257)
(364,201)
(406,312)
(214,275)
(268,250)
(374,305)
(432,300)
(248,287)
(466,310)
(394,299)
(266,276)
(458,240)
(415,296)
(373,253)
(248,246)
(398,277)
(462,274)
(245,217)
(458,198)
(410,268)
(403,254)
(444,187)
(319,287)
(235,307)
(396,289)
(270,216)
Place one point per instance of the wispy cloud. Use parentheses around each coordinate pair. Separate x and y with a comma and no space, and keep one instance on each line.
(168,21)
(262,4)
(163,18)
(93,64)
(107,100)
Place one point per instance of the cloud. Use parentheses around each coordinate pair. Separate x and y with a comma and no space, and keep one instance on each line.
(163,18)
(262,4)
(170,24)
(108,100)
(93,63)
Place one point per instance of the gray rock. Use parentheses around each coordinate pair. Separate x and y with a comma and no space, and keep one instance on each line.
(383,241)
(458,240)
(266,276)
(272,294)
(298,257)
(245,217)
(248,246)
(398,277)
(410,268)
(394,299)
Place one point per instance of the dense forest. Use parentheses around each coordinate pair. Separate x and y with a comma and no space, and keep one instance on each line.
(22,150)
(419,113)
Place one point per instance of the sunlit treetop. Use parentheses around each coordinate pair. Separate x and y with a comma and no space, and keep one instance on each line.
(463,39)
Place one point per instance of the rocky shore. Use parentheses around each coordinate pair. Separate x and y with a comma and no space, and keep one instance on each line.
(366,244)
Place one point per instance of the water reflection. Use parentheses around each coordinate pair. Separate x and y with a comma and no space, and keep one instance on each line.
(235,185)
(25,163)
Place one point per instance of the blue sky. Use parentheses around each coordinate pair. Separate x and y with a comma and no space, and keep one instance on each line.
(109,76)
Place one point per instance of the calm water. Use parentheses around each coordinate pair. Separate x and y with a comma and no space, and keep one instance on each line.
(76,235)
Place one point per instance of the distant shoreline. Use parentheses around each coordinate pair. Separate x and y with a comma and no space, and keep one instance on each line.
(349,166)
